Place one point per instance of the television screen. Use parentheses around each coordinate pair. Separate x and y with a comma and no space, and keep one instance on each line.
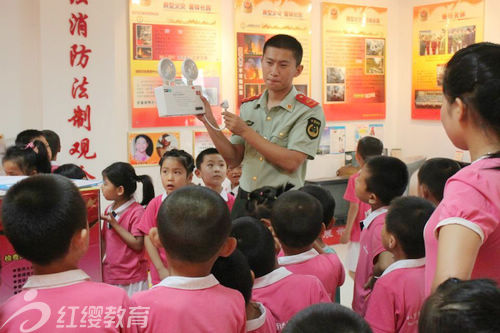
(337,187)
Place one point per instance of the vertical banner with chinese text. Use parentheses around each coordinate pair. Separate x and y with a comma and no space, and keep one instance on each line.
(440,30)
(354,61)
(255,22)
(176,29)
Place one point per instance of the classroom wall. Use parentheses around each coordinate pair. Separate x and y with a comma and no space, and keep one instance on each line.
(36,79)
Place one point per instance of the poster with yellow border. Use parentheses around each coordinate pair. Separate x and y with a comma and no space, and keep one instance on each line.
(440,30)
(174,29)
(255,22)
(147,148)
(353,48)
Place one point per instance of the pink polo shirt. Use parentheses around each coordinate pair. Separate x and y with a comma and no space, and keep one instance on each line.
(285,293)
(350,195)
(471,199)
(394,305)
(122,265)
(67,301)
(370,247)
(149,221)
(326,267)
(264,324)
(184,304)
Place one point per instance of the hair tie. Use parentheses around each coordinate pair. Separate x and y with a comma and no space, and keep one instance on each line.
(30,145)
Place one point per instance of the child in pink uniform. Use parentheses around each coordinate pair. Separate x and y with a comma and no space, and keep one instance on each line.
(193,227)
(234,272)
(367,146)
(281,291)
(432,177)
(327,317)
(124,264)
(45,219)
(394,305)
(462,306)
(462,238)
(381,179)
(297,220)
(176,171)
(212,169)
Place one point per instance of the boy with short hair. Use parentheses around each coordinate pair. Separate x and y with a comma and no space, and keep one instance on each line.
(432,177)
(193,228)
(394,305)
(55,146)
(297,220)
(367,146)
(281,291)
(211,168)
(45,219)
(382,179)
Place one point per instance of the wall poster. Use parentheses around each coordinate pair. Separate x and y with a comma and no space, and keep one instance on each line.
(146,148)
(354,61)
(176,29)
(255,22)
(440,30)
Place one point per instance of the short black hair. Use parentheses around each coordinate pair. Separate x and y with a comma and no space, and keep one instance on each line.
(435,172)
(40,215)
(203,153)
(406,220)
(325,198)
(71,171)
(260,201)
(388,177)
(462,306)
(193,223)
(234,272)
(26,136)
(296,219)
(256,242)
(149,148)
(369,146)
(182,156)
(123,174)
(327,317)
(286,42)
(53,140)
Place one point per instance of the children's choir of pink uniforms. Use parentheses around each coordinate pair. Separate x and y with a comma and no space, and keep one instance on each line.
(471,199)
(66,301)
(264,324)
(228,198)
(326,267)
(122,265)
(394,305)
(285,294)
(350,195)
(370,247)
(185,304)
(148,221)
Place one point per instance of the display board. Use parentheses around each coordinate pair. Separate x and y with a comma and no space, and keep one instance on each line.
(255,22)
(354,61)
(177,30)
(440,30)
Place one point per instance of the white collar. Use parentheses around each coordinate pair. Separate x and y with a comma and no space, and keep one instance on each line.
(46,281)
(163,196)
(298,258)
(270,278)
(373,215)
(405,263)
(224,196)
(122,208)
(256,323)
(188,283)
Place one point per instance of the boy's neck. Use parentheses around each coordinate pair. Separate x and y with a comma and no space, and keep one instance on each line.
(252,310)
(53,268)
(398,254)
(289,251)
(216,188)
(377,206)
(189,269)
(275,97)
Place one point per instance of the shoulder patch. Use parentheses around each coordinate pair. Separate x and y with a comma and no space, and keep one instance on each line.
(252,98)
(312,128)
(306,100)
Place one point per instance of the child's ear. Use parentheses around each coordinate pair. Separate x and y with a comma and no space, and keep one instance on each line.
(228,247)
(423,191)
(190,178)
(322,232)
(80,242)
(392,241)
(155,237)
(121,190)
(372,199)
(197,173)
(331,223)
(253,276)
